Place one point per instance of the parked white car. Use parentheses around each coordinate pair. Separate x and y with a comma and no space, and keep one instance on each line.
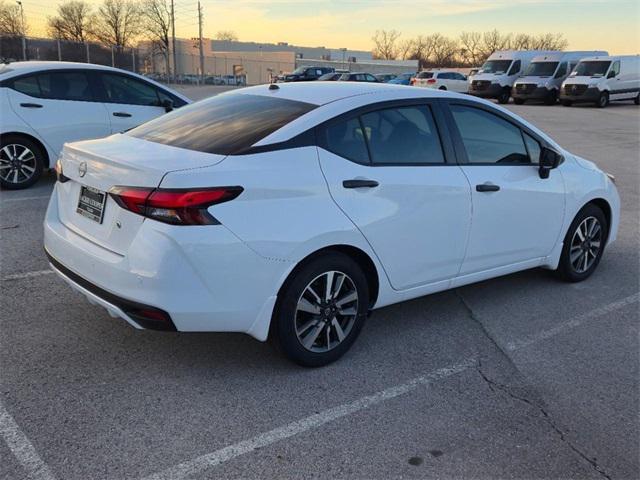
(498,74)
(292,212)
(45,104)
(442,80)
(603,79)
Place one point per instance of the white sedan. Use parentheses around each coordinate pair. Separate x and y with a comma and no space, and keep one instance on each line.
(442,80)
(289,212)
(46,104)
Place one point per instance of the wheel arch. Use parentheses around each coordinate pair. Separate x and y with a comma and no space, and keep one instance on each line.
(43,148)
(606,209)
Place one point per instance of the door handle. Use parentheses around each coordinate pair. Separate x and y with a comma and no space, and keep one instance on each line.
(31,105)
(487,187)
(360,183)
(121,114)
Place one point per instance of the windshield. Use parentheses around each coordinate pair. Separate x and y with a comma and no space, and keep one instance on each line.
(495,66)
(224,124)
(591,69)
(425,75)
(541,69)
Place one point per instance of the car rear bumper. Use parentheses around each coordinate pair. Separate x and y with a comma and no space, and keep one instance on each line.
(200,278)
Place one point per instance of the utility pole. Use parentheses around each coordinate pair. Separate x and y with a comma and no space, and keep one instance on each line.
(173,40)
(201,48)
(24,31)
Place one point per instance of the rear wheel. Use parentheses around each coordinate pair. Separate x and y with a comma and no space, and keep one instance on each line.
(21,162)
(320,310)
(503,98)
(518,101)
(442,88)
(583,244)
(603,100)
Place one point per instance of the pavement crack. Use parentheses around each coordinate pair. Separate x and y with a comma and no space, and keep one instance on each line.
(496,386)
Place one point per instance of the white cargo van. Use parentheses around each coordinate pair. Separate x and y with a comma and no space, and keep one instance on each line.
(603,79)
(498,74)
(543,77)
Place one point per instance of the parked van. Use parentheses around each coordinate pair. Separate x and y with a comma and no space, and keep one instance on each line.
(500,71)
(603,79)
(544,76)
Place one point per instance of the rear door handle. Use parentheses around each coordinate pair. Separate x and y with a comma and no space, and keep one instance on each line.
(31,105)
(359,183)
(487,187)
(121,114)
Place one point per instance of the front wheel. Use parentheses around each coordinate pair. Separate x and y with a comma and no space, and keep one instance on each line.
(21,162)
(583,244)
(603,100)
(504,96)
(320,310)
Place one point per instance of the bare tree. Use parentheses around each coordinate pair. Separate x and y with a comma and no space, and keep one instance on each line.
(118,22)
(406,49)
(493,41)
(471,47)
(384,44)
(444,50)
(72,21)
(156,16)
(11,20)
(228,35)
(550,41)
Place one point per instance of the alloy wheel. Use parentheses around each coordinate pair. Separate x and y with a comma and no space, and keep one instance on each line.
(17,163)
(326,311)
(585,244)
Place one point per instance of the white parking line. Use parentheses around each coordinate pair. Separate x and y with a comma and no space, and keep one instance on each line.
(18,276)
(20,199)
(576,322)
(193,467)
(22,448)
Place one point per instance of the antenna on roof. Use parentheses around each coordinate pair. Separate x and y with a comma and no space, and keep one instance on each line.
(273,86)
(272,77)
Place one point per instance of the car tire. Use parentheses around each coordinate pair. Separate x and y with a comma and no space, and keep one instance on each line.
(442,88)
(519,101)
(551,98)
(590,223)
(603,100)
(23,161)
(504,96)
(566,103)
(304,312)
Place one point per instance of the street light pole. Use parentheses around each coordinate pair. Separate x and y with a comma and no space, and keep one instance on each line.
(24,31)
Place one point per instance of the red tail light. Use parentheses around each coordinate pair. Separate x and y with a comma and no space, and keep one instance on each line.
(174,206)
(431,80)
(412,81)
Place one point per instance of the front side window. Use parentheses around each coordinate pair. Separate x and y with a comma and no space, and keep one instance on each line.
(403,135)
(533,147)
(489,139)
(224,124)
(128,90)
(562,70)
(615,69)
(515,68)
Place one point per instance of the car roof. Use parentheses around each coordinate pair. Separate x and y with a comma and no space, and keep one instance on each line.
(322,93)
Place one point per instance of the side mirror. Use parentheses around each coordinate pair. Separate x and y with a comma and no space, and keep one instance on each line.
(167,104)
(611,74)
(549,159)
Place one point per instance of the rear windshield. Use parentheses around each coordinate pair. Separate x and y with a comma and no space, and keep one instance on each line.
(591,69)
(541,69)
(224,124)
(425,75)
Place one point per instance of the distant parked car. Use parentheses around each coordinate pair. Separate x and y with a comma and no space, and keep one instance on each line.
(43,105)
(403,79)
(385,77)
(358,77)
(442,80)
(305,74)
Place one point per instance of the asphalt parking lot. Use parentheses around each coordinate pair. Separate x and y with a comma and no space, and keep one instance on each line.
(517,377)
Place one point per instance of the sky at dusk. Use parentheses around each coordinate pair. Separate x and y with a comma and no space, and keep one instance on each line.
(612,25)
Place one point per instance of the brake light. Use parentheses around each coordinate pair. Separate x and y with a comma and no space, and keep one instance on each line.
(412,81)
(431,80)
(174,206)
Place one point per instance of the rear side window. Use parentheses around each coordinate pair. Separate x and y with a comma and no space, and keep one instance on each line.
(56,86)
(128,90)
(489,139)
(346,138)
(224,124)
